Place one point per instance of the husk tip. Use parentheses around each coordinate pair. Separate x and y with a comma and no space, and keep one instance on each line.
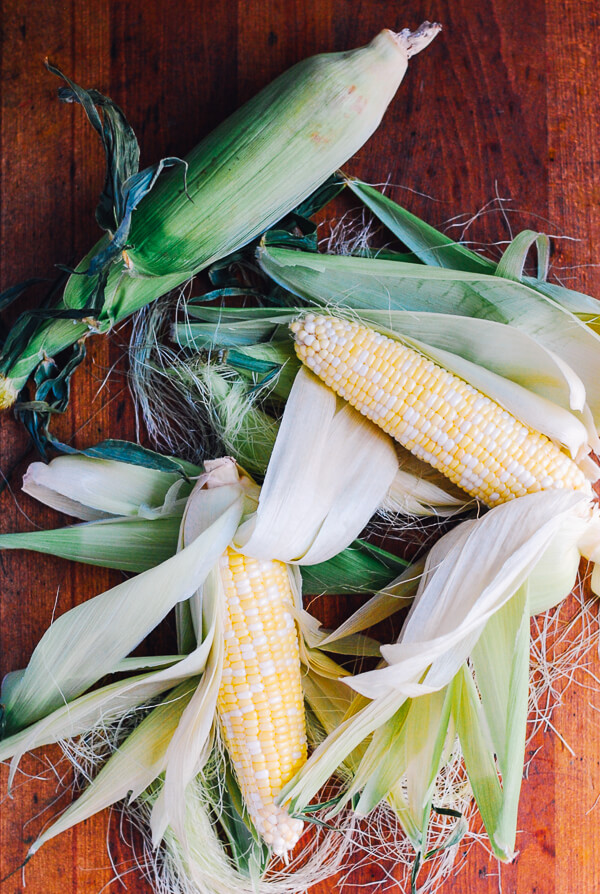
(414,41)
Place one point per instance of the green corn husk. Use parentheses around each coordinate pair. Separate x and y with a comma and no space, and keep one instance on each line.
(138,529)
(128,544)
(539,336)
(445,277)
(250,172)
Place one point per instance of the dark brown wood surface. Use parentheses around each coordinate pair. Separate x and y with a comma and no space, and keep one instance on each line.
(499,114)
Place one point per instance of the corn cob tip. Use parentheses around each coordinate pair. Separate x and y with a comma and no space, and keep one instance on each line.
(414,41)
(278,829)
(8,393)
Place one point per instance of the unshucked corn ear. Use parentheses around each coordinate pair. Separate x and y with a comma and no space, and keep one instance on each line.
(251,171)
(439,417)
(308,121)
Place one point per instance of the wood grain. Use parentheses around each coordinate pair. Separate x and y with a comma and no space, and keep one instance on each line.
(499,116)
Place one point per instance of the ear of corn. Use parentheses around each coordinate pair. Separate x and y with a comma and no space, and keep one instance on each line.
(371,284)
(251,171)
(437,416)
(260,702)
(313,117)
(248,587)
(507,364)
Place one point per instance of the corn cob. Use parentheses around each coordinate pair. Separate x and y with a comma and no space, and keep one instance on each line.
(250,172)
(260,702)
(439,417)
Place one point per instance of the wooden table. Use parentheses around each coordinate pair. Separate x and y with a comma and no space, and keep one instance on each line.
(500,115)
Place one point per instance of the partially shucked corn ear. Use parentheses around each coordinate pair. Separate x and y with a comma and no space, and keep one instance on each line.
(502,324)
(250,172)
(243,635)
(439,417)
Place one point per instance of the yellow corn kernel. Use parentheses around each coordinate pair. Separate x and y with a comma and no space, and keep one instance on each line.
(260,702)
(465,435)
